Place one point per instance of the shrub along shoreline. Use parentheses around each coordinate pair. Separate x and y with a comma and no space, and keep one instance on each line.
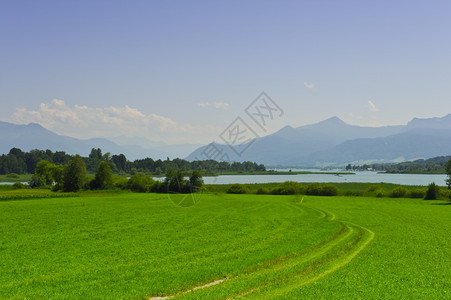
(144,184)
(335,189)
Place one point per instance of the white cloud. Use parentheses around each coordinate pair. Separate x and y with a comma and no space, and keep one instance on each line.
(86,122)
(310,86)
(217,105)
(372,106)
(203,104)
(221,105)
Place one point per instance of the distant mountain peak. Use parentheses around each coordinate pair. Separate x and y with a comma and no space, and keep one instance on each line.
(35,125)
(333,120)
(442,123)
(286,128)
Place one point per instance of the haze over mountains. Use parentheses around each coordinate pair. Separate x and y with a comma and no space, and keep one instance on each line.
(34,136)
(334,143)
(331,142)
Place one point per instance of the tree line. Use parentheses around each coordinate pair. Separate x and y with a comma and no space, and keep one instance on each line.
(19,162)
(73,177)
(436,165)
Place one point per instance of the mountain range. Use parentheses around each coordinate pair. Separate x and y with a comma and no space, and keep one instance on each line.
(329,143)
(34,136)
(335,143)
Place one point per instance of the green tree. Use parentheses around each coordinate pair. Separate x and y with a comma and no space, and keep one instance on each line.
(104,176)
(174,181)
(61,158)
(140,183)
(47,174)
(120,161)
(93,160)
(448,171)
(44,170)
(58,175)
(96,154)
(432,192)
(74,175)
(106,157)
(12,164)
(195,180)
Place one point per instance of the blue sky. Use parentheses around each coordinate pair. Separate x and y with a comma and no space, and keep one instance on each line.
(181,71)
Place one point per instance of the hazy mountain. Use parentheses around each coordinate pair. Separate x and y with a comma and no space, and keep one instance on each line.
(34,136)
(409,145)
(333,142)
(288,145)
(432,123)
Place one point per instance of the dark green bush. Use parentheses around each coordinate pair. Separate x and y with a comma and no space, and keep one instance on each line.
(262,191)
(12,176)
(236,188)
(433,192)
(287,188)
(18,186)
(158,187)
(320,189)
(398,192)
(140,183)
(444,193)
(417,193)
(120,182)
(353,193)
(373,188)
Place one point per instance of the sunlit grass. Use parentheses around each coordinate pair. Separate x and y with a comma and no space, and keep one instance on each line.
(124,245)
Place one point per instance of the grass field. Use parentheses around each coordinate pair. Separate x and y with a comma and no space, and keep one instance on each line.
(137,246)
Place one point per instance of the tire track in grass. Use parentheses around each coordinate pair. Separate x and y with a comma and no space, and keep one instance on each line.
(255,275)
(330,263)
(294,271)
(327,265)
(303,264)
(275,278)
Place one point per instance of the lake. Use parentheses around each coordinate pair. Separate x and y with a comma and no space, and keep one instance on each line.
(372,177)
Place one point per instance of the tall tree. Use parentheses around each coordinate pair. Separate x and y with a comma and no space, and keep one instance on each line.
(104,176)
(120,161)
(61,158)
(43,174)
(96,154)
(16,152)
(74,176)
(175,183)
(58,175)
(195,180)
(432,192)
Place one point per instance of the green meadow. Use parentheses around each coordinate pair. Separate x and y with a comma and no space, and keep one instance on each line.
(110,245)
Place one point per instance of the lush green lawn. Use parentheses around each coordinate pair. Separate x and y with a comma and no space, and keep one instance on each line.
(136,246)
